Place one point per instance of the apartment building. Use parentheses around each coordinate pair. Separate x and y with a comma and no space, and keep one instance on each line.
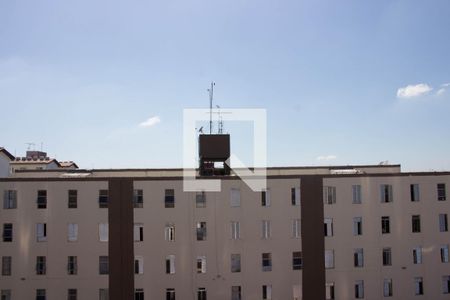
(349,232)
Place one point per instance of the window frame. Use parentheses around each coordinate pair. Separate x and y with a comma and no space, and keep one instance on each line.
(72,199)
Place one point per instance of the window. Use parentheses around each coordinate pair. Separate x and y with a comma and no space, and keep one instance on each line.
(443,224)
(200,199)
(40,294)
(6,265)
(329,259)
(387,257)
(139,294)
(444,253)
(417,255)
(329,194)
(170,264)
(103,231)
(138,199)
(329,290)
(103,199)
(169,198)
(41,232)
(387,287)
(201,264)
(414,192)
(296,228)
(71,294)
(170,294)
(72,232)
(235,263)
(295,196)
(72,201)
(103,265)
(201,231)
(42,199)
(328,226)
(385,225)
(266,231)
(235,230)
(357,226)
(40,265)
(103,294)
(358,258)
(72,265)
(265,199)
(138,265)
(415,223)
(446,284)
(7,232)
(235,198)
(169,232)
(386,193)
(418,285)
(10,199)
(297,260)
(201,294)
(6,294)
(267,292)
(138,232)
(236,292)
(441,192)
(356,193)
(359,289)
(267,262)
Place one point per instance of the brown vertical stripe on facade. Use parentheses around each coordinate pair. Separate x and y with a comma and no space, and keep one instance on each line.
(121,247)
(313,243)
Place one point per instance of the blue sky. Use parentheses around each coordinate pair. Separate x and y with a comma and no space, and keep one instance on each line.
(343,82)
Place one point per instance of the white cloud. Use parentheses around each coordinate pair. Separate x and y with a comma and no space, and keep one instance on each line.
(440,92)
(150,122)
(413,90)
(445,85)
(326,157)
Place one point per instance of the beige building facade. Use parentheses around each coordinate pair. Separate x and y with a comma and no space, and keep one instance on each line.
(352,232)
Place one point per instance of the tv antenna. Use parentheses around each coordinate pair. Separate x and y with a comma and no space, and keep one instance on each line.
(211,95)
(220,122)
(30,146)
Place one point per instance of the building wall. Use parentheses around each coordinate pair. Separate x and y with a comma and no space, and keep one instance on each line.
(25,247)
(218,246)
(401,239)
(4,165)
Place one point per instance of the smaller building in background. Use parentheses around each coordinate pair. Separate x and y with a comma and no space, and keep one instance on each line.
(34,160)
(5,160)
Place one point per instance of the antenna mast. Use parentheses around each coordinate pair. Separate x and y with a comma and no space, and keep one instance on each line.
(211,95)
(220,122)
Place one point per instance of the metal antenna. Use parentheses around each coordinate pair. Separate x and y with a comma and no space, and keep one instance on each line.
(220,122)
(211,95)
(29,146)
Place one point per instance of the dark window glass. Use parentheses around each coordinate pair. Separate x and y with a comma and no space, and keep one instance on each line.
(40,265)
(103,199)
(441,192)
(169,198)
(138,199)
(42,199)
(103,266)
(297,261)
(72,201)
(7,232)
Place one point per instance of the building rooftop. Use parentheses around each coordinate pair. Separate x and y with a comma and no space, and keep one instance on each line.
(171,173)
(6,152)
